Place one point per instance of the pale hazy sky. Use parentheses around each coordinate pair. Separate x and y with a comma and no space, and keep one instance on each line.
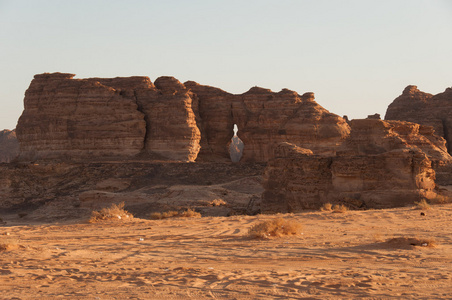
(355,55)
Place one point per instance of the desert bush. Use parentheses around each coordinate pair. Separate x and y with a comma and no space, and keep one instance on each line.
(326,207)
(339,208)
(440,199)
(189,213)
(7,244)
(114,212)
(217,202)
(275,228)
(403,242)
(422,205)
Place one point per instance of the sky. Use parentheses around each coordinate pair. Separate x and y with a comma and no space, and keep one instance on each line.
(357,56)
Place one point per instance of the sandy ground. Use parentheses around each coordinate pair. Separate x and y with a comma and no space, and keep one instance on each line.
(339,256)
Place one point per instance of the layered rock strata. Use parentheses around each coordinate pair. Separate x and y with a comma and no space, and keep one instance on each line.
(265,119)
(9,147)
(426,109)
(67,118)
(75,118)
(381,164)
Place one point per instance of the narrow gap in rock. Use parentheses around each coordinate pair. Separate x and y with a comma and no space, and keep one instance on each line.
(236,146)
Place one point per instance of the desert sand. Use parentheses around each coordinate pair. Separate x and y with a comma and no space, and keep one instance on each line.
(356,254)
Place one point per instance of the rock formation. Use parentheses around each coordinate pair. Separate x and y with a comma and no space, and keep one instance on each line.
(426,109)
(236,149)
(381,164)
(9,147)
(265,119)
(66,118)
(120,131)
(75,118)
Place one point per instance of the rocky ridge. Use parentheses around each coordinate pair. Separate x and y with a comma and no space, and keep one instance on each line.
(87,143)
(122,118)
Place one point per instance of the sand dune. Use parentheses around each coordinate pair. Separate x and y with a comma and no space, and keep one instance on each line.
(358,254)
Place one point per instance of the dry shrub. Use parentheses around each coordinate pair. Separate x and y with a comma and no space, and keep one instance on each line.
(326,207)
(275,228)
(378,237)
(217,202)
(440,199)
(114,212)
(9,244)
(422,205)
(339,208)
(404,242)
(189,213)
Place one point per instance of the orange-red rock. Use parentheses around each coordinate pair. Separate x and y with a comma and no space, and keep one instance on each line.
(265,119)
(66,118)
(381,164)
(426,109)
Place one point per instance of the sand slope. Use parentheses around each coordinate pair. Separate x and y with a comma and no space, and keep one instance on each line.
(345,256)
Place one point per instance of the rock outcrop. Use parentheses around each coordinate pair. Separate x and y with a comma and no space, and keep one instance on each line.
(265,119)
(426,109)
(66,118)
(9,147)
(236,149)
(381,164)
(104,118)
(122,132)
(75,118)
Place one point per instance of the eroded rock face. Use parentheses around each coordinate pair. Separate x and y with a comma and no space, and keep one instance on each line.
(265,119)
(372,136)
(426,109)
(172,131)
(67,118)
(381,164)
(76,118)
(9,147)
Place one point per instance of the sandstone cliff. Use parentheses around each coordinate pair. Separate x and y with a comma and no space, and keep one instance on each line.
(66,118)
(9,147)
(265,119)
(75,118)
(381,164)
(426,109)
(121,118)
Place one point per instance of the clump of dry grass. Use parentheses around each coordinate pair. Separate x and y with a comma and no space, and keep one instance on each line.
(114,212)
(275,228)
(422,205)
(9,244)
(326,207)
(404,242)
(189,213)
(217,202)
(339,208)
(440,199)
